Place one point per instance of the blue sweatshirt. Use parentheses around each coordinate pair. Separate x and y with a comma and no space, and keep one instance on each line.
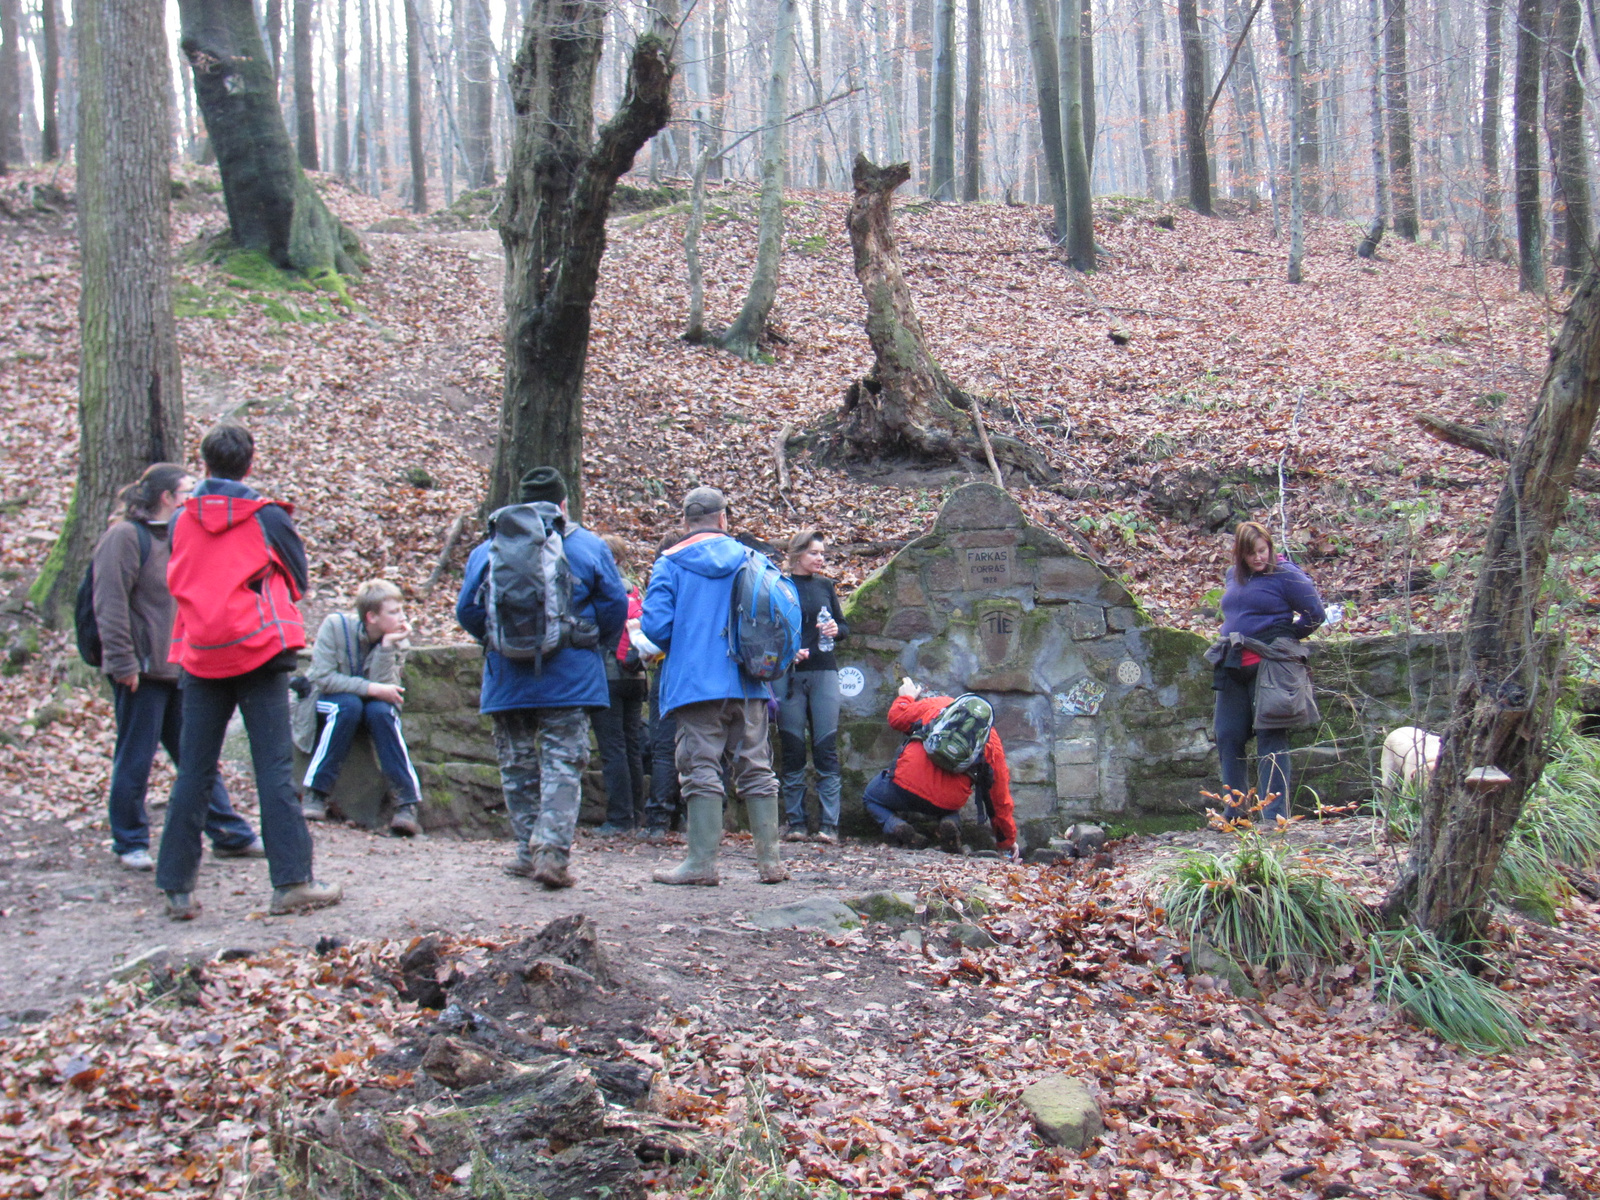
(1284,596)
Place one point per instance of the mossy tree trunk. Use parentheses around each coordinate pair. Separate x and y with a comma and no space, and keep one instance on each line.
(558,190)
(1564,128)
(305,92)
(907,407)
(272,207)
(130,389)
(1508,683)
(744,336)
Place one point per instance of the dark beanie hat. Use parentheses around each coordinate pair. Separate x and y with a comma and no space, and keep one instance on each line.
(543,483)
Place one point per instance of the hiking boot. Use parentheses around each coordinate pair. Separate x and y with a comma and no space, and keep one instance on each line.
(137,860)
(705,833)
(612,829)
(182,906)
(763,812)
(550,867)
(828,836)
(254,848)
(950,835)
(404,823)
(303,897)
(314,805)
(902,834)
(654,833)
(796,833)
(522,868)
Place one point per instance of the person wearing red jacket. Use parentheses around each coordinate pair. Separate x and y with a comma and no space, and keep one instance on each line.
(236,570)
(913,784)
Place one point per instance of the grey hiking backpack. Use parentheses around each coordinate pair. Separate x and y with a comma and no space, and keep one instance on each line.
(527,591)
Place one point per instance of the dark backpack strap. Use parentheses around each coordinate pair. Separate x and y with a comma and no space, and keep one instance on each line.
(982,780)
(143,531)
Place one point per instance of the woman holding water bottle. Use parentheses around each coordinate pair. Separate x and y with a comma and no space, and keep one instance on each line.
(812,697)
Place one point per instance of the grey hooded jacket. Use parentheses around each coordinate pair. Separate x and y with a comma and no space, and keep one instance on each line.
(1284,698)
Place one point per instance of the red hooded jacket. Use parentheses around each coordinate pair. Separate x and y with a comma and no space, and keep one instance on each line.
(235,593)
(914,772)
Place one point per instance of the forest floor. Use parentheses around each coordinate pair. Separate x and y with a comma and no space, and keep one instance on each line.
(889,1071)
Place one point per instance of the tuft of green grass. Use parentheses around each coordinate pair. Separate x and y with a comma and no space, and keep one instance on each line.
(754,1169)
(1262,905)
(1416,973)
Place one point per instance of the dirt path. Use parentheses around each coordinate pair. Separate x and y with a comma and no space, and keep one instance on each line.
(76,916)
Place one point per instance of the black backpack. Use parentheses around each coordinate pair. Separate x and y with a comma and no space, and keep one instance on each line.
(83,618)
(527,591)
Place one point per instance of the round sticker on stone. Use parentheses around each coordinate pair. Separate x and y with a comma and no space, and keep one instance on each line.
(1129,672)
(851,681)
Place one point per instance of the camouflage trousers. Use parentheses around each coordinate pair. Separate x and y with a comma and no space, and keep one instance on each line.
(542,753)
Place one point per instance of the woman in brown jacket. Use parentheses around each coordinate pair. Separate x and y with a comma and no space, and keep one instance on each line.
(134,612)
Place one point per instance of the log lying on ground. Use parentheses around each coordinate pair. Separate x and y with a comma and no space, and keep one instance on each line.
(1481,441)
(908,407)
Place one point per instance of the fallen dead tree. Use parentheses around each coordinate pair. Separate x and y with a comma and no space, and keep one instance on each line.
(1491,445)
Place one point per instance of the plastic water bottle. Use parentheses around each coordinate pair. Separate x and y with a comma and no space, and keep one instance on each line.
(824,642)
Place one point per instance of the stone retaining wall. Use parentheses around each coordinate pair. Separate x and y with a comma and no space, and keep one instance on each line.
(1104,715)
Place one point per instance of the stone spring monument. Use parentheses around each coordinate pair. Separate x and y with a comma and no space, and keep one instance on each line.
(1104,715)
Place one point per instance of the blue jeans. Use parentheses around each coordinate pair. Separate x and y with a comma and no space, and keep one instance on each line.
(812,699)
(888,802)
(147,719)
(262,698)
(619,730)
(342,714)
(1235,725)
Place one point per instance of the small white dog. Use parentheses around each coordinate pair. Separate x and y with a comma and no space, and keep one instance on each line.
(1409,755)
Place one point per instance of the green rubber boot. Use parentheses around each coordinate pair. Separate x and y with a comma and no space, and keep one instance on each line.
(704,827)
(764,825)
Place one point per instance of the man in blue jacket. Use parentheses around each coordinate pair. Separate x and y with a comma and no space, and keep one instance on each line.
(541,711)
(718,708)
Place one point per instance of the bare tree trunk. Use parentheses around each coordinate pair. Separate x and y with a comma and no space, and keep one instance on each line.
(1147,150)
(272,207)
(419,161)
(1402,172)
(1194,107)
(1493,235)
(1086,80)
(11,150)
(130,385)
(50,80)
(922,37)
(719,81)
(1569,155)
(341,95)
(907,406)
(1297,117)
(305,92)
(971,145)
(1508,683)
(558,191)
(821,165)
(476,104)
(1525,147)
(744,336)
(272,27)
(942,178)
(1079,244)
(1042,46)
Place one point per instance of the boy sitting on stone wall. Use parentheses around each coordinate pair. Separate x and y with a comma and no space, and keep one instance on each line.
(355,681)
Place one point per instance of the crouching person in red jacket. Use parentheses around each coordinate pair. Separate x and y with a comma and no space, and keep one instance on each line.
(914,784)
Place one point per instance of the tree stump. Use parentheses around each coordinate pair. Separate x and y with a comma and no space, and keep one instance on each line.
(907,407)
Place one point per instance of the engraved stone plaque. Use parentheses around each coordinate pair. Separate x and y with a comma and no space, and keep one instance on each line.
(987,567)
(998,631)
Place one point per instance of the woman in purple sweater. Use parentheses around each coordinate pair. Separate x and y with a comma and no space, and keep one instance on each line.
(1265,598)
